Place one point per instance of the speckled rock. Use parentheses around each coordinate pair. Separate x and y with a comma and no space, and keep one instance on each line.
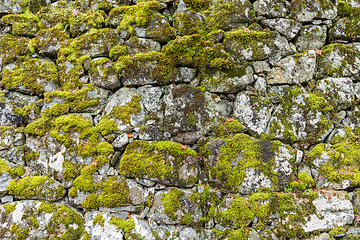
(287,27)
(333,210)
(102,74)
(125,99)
(299,68)
(311,37)
(312,10)
(253,112)
(190,113)
(271,9)
(301,117)
(221,82)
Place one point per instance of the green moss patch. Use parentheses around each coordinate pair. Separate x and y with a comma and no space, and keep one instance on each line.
(142,159)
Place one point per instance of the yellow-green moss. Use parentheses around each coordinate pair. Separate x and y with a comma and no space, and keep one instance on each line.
(47,207)
(229,128)
(126,225)
(123,112)
(27,72)
(171,201)
(98,219)
(19,232)
(17,171)
(144,159)
(4,167)
(67,217)
(9,208)
(35,187)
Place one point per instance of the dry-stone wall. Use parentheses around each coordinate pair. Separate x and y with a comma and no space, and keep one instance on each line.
(179,119)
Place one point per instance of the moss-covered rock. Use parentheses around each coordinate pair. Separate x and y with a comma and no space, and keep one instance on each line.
(302,117)
(243,164)
(338,60)
(190,113)
(12,48)
(168,162)
(31,76)
(306,11)
(255,45)
(36,187)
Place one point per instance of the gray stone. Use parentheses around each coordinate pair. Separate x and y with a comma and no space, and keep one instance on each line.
(338,91)
(312,10)
(190,113)
(158,29)
(293,69)
(121,98)
(106,232)
(7,199)
(220,82)
(187,74)
(303,121)
(311,37)
(120,142)
(143,45)
(271,9)
(287,27)
(332,210)
(103,74)
(254,112)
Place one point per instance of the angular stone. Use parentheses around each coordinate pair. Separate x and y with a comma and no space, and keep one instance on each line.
(190,113)
(234,154)
(158,29)
(338,91)
(299,68)
(107,231)
(300,118)
(311,37)
(103,74)
(255,46)
(125,99)
(306,11)
(253,111)
(142,45)
(31,76)
(223,82)
(287,27)
(333,209)
(338,60)
(271,9)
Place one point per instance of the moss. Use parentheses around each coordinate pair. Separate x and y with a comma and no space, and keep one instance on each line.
(126,225)
(27,73)
(99,219)
(117,51)
(35,187)
(123,112)
(4,167)
(139,15)
(197,4)
(12,47)
(84,183)
(19,232)
(17,171)
(76,101)
(142,159)
(344,157)
(114,192)
(47,207)
(171,201)
(196,51)
(230,169)
(33,222)
(337,231)
(9,208)
(229,128)
(73,223)
(25,24)
(91,202)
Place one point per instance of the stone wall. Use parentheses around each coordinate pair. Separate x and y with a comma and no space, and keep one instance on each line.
(190,119)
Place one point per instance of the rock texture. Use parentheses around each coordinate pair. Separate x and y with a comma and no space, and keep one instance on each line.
(182,120)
